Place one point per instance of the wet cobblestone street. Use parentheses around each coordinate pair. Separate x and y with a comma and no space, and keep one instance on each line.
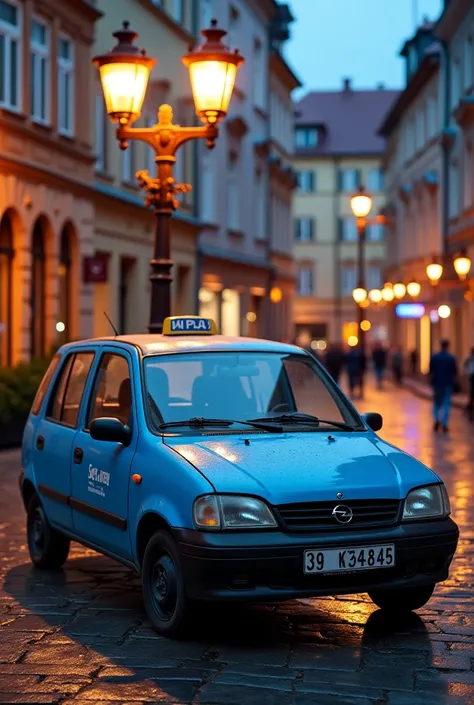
(81,635)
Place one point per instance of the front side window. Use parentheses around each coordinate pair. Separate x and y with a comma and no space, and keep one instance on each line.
(239,386)
(10,55)
(112,393)
(65,402)
(39,68)
(65,86)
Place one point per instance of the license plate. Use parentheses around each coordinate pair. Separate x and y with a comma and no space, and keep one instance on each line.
(337,560)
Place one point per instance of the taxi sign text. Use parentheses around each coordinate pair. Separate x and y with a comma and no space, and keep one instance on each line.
(186,325)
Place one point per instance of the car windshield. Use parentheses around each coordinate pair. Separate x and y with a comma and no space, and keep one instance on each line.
(240,386)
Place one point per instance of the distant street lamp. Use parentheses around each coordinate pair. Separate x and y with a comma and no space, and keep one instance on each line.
(434,272)
(399,290)
(361,204)
(444,311)
(124,73)
(388,293)
(413,289)
(375,295)
(359,295)
(462,265)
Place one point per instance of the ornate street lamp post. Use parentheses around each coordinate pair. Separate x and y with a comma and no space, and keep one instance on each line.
(124,73)
(361,204)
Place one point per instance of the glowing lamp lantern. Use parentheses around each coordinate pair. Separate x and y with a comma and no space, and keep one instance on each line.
(434,272)
(462,266)
(124,72)
(444,311)
(361,203)
(388,294)
(212,71)
(375,295)
(276,294)
(413,289)
(359,295)
(399,290)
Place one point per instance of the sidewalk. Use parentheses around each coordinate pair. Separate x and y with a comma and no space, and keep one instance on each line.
(420,389)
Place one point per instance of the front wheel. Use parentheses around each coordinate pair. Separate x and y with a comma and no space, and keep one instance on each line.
(164,592)
(402,601)
(48,548)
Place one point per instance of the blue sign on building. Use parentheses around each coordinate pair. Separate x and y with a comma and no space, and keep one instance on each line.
(410,310)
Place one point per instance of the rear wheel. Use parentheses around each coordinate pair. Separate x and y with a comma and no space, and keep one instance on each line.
(402,601)
(48,548)
(164,592)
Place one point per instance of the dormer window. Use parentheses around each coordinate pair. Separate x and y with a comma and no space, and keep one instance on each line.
(306,137)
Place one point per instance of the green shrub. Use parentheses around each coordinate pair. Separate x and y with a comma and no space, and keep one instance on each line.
(18,386)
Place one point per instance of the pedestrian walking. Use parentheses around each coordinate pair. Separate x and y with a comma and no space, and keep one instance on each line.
(469,371)
(355,366)
(334,361)
(379,358)
(397,365)
(414,362)
(443,376)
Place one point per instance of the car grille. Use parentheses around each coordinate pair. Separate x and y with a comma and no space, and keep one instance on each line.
(313,516)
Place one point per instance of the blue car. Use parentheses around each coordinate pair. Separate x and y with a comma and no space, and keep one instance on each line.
(226,469)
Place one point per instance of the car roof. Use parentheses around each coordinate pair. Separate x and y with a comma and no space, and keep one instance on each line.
(156,344)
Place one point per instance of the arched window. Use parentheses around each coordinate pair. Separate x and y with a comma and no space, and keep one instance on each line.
(6,298)
(38,311)
(64,272)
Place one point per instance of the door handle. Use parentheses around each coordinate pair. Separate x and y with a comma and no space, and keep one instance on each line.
(40,442)
(78,455)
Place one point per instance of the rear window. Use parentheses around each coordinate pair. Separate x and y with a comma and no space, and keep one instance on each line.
(45,382)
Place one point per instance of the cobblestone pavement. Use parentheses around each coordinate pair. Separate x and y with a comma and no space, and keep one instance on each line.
(82,635)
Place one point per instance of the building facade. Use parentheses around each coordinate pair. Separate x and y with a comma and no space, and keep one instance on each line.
(413,176)
(46,174)
(246,182)
(337,149)
(124,228)
(429,173)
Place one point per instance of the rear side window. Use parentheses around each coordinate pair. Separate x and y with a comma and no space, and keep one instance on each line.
(66,399)
(45,382)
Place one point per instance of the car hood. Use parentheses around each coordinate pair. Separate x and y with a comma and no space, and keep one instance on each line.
(304,467)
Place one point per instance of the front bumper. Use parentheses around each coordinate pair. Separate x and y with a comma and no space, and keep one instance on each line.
(269,565)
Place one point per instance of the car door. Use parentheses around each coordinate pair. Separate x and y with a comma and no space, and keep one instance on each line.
(54,438)
(101,469)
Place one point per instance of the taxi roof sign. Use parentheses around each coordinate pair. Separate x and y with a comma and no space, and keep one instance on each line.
(189,325)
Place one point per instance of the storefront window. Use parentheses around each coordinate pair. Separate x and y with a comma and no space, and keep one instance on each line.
(6,299)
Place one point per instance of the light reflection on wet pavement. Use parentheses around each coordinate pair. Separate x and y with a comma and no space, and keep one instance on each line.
(81,635)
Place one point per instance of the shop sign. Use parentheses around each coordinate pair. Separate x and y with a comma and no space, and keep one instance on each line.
(95,268)
(410,310)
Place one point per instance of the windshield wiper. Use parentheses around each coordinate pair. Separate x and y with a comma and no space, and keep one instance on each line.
(200,422)
(304,419)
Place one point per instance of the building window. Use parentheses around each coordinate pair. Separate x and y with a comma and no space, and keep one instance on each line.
(100,135)
(375,180)
(431,109)
(65,280)
(420,129)
(177,10)
(37,292)
(207,189)
(305,279)
(455,82)
(349,180)
(230,313)
(306,181)
(348,279)
(127,165)
(233,32)
(233,210)
(304,229)
(260,206)
(6,291)
(259,92)
(206,13)
(375,232)
(348,229)
(10,55)
(40,78)
(65,86)
(374,278)
(306,137)
(468,57)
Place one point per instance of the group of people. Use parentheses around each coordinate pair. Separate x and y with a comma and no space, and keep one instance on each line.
(355,363)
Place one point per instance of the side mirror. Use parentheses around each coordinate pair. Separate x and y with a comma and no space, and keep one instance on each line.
(373,421)
(110,429)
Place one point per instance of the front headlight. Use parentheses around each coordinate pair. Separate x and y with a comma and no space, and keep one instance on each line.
(427,503)
(232,512)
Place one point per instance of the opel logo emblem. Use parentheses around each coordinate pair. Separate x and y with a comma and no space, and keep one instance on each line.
(342,514)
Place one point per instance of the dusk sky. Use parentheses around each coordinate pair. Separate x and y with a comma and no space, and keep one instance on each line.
(331,39)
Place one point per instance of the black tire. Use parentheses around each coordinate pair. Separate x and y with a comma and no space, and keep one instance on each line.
(402,601)
(164,591)
(48,548)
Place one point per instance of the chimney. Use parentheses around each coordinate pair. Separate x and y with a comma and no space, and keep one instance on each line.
(347,84)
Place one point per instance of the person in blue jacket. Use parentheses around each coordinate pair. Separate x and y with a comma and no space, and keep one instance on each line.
(443,377)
